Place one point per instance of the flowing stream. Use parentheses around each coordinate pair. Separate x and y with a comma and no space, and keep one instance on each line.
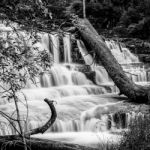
(87,113)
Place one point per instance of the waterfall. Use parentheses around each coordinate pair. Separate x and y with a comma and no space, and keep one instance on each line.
(136,74)
(45,42)
(67,77)
(123,56)
(83,108)
(102,75)
(55,47)
(86,56)
(121,53)
(67,48)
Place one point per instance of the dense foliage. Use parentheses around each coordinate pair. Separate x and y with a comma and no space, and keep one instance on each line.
(138,137)
(125,17)
(21,60)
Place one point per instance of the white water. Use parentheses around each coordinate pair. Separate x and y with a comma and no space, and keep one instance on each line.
(87,114)
(55,45)
(121,53)
(123,56)
(86,56)
(67,48)
(91,139)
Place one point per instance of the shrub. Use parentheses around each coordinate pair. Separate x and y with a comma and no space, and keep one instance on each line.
(138,136)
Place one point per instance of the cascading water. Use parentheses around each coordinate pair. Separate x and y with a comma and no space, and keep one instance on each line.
(67,48)
(86,56)
(45,42)
(121,53)
(85,111)
(55,46)
(123,56)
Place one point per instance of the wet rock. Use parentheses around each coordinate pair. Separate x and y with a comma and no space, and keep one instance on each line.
(144,58)
(91,75)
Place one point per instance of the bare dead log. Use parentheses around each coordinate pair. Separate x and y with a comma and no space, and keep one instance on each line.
(94,41)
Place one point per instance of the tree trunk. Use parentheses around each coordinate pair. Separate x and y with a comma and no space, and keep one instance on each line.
(39,144)
(95,42)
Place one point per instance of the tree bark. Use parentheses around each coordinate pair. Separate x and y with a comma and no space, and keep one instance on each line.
(95,42)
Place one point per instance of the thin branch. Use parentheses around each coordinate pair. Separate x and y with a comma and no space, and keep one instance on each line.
(131,73)
(11,122)
(17,110)
(42,129)
(5,115)
(5,90)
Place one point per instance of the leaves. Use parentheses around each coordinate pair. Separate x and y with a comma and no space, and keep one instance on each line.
(20,61)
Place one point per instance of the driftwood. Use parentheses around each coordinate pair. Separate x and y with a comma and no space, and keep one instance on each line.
(94,41)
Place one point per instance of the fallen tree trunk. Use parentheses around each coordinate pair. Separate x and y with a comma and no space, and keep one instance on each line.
(95,42)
